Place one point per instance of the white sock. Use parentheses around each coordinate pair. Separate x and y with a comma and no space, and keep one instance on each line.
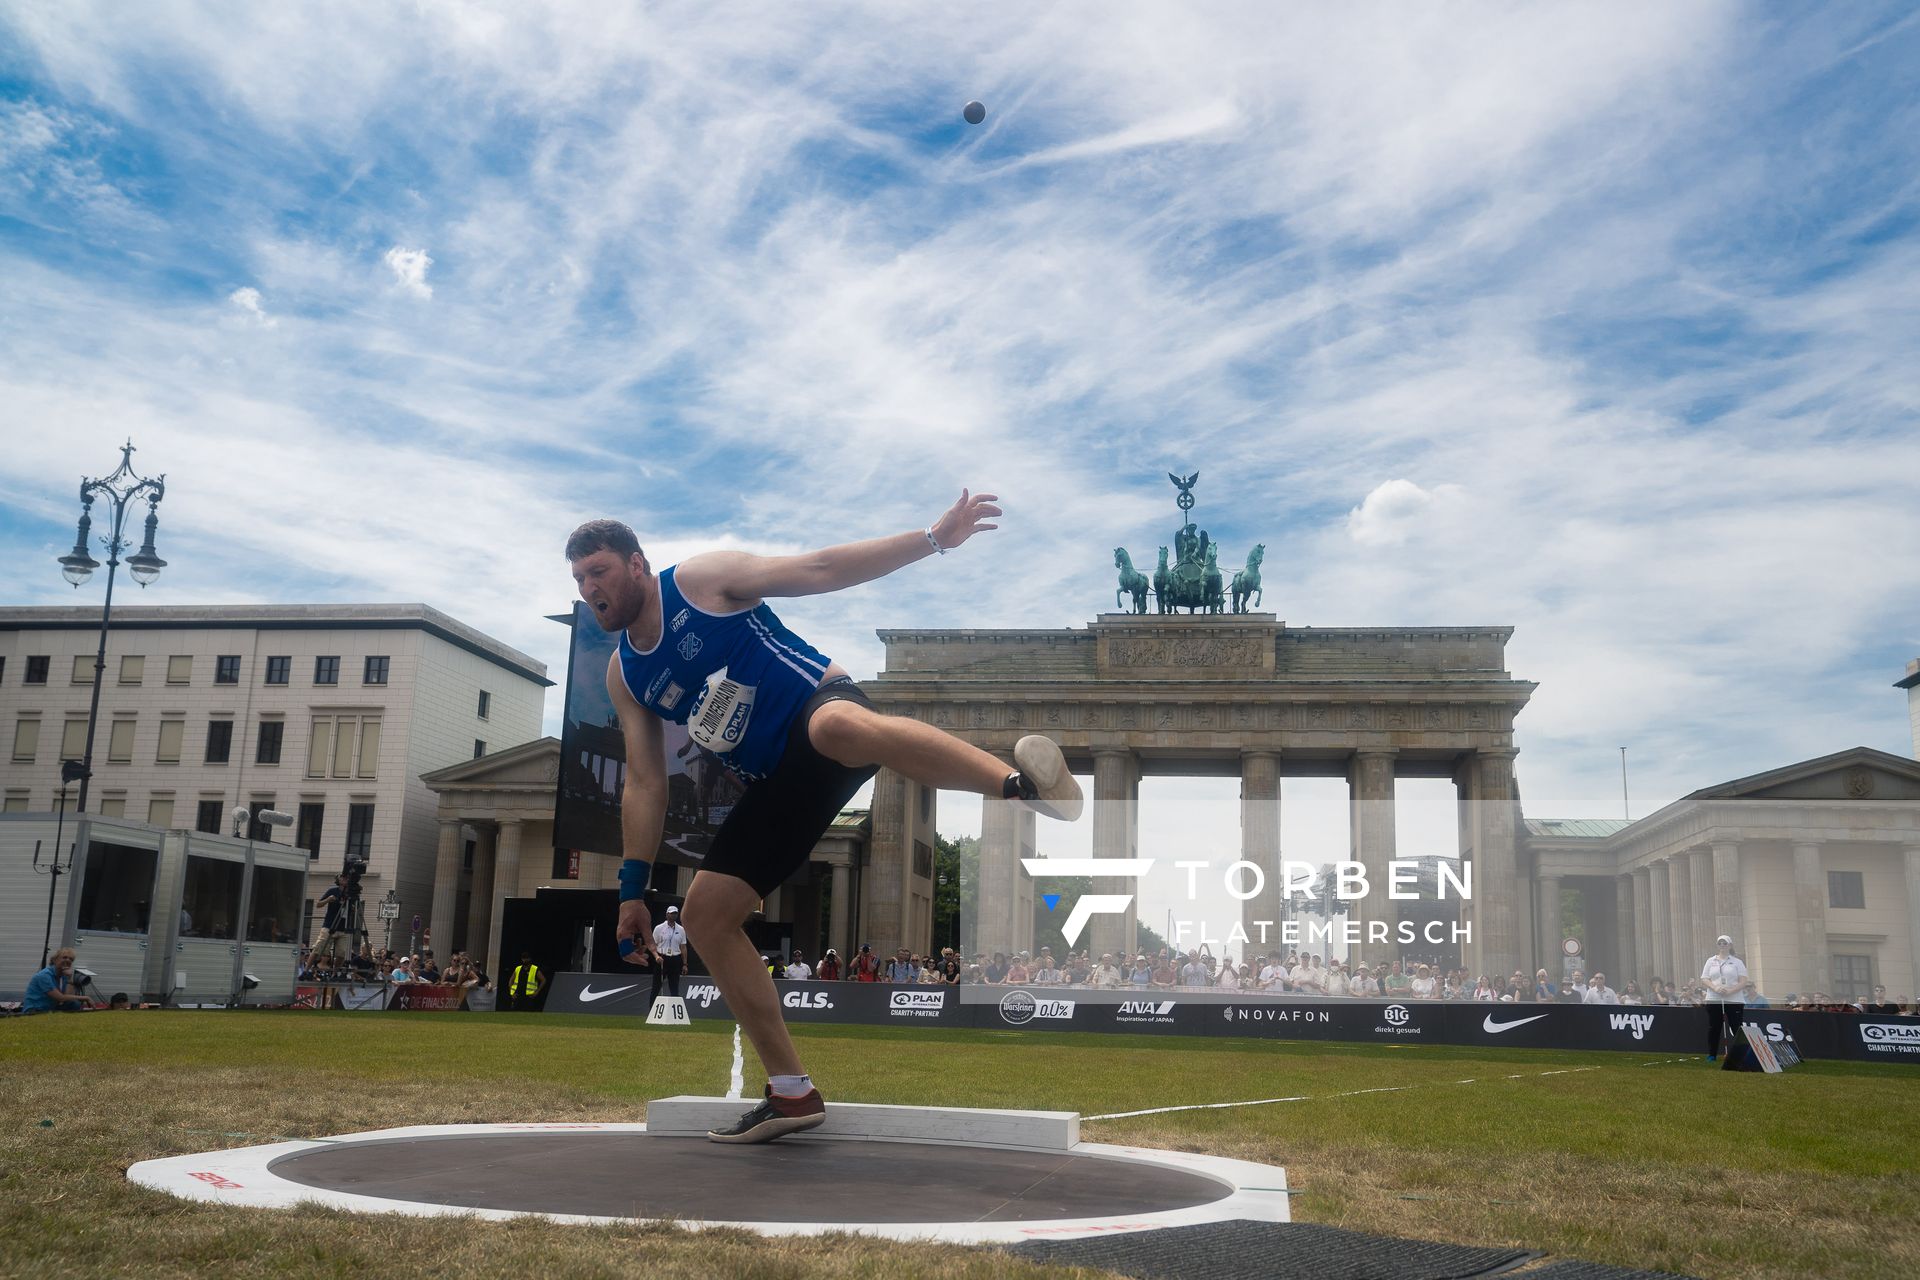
(791,1086)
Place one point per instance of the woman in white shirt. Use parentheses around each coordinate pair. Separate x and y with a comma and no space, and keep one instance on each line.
(1722,976)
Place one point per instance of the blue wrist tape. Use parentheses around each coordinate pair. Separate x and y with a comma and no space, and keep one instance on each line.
(633,879)
(627,947)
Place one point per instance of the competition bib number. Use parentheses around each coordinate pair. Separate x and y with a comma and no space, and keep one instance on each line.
(718,718)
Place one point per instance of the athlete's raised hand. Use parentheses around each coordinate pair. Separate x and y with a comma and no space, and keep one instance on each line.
(965,518)
(635,932)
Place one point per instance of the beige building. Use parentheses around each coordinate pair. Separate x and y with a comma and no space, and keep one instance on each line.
(1812,869)
(329,712)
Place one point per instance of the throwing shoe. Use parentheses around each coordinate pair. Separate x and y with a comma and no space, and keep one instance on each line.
(774,1118)
(1044,770)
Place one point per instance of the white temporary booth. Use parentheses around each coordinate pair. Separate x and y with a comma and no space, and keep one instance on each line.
(180,916)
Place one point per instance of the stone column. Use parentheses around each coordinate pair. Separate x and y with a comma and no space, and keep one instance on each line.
(1913,919)
(1547,925)
(884,904)
(1662,896)
(480,902)
(995,928)
(1113,837)
(446,888)
(1729,916)
(1260,844)
(1622,964)
(1810,913)
(506,884)
(1700,929)
(1643,952)
(1680,913)
(1370,809)
(838,917)
(1496,877)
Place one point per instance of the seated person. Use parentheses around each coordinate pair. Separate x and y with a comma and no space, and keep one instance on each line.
(53,988)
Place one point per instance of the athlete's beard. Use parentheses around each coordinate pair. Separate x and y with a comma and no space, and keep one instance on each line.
(625,610)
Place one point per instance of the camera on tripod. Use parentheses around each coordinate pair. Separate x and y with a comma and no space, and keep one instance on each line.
(350,872)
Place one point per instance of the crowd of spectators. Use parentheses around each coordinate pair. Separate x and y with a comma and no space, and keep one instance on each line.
(368,965)
(1294,974)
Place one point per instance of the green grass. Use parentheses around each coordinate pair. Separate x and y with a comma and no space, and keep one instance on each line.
(1630,1160)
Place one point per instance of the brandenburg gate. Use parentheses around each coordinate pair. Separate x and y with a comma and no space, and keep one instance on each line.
(1210,693)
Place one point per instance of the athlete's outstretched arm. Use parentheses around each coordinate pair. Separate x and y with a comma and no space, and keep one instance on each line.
(742,580)
(643,808)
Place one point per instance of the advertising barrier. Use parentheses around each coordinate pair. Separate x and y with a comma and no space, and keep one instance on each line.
(1631,1028)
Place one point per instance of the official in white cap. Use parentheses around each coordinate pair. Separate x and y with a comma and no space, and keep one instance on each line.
(1724,975)
(670,944)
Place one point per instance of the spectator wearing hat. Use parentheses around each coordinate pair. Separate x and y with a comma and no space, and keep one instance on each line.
(1364,985)
(829,969)
(1018,973)
(797,967)
(866,965)
(1721,979)
(1141,975)
(670,945)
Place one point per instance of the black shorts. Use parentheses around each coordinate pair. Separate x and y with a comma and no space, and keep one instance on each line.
(772,831)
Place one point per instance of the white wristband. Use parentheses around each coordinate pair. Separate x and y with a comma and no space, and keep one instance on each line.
(937,548)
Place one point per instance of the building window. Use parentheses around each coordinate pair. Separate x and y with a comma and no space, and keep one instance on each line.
(1846,889)
(16,802)
(210,817)
(37,665)
(360,831)
(376,671)
(26,740)
(113,807)
(923,859)
(83,669)
(256,829)
(120,742)
(226,669)
(344,746)
(307,833)
(160,812)
(172,733)
(279,670)
(1852,977)
(180,669)
(73,740)
(326,670)
(267,750)
(486,704)
(466,857)
(479,748)
(133,668)
(219,741)
(118,888)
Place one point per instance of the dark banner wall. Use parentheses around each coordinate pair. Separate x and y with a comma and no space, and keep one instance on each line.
(1637,1029)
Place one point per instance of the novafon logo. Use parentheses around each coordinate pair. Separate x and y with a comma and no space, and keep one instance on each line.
(917,1004)
(702,993)
(807,1000)
(1269,1013)
(1638,1023)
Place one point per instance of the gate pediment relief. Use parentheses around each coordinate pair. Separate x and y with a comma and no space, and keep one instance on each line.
(1859,774)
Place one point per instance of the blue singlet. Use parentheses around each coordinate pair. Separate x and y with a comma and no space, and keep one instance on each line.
(736,680)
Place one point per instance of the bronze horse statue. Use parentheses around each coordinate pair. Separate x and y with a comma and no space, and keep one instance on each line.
(1132,581)
(1247,582)
(1160,584)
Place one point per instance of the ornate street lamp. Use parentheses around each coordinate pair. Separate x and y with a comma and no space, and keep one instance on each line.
(120,490)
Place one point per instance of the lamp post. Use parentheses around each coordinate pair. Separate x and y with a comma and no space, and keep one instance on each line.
(120,490)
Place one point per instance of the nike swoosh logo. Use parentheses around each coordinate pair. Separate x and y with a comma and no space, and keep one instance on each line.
(1497,1027)
(588,995)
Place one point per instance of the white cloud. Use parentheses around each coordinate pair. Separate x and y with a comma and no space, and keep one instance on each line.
(409,267)
(1397,510)
(246,300)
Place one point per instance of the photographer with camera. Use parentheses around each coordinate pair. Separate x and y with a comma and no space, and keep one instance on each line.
(55,989)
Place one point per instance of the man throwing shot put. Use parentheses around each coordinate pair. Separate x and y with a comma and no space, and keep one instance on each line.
(699,646)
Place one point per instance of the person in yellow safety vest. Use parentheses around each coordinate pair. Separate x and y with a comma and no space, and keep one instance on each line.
(526,984)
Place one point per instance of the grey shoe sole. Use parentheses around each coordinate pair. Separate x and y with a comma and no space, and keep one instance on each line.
(768,1130)
(1038,757)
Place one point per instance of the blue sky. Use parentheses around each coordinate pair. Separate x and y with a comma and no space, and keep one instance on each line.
(1596,321)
